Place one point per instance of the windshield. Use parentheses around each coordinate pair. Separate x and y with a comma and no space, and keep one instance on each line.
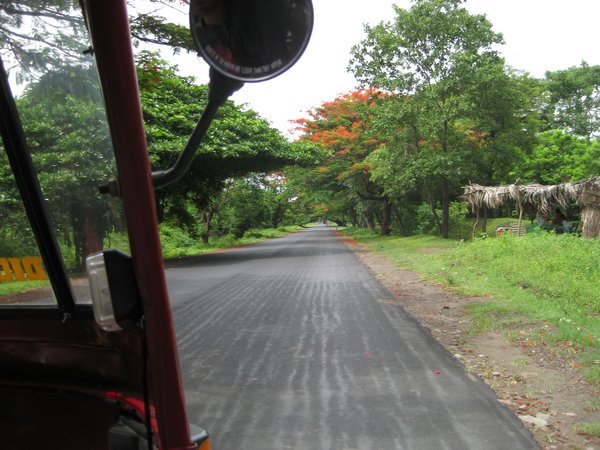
(46,53)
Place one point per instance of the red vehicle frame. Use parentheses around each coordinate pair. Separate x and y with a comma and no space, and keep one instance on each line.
(66,382)
(109,29)
(58,344)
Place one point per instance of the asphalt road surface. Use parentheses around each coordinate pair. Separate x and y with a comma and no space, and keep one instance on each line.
(293,344)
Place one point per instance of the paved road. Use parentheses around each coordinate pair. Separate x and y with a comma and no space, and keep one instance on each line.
(292,344)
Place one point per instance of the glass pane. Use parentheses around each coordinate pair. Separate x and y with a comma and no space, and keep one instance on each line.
(23,279)
(54,80)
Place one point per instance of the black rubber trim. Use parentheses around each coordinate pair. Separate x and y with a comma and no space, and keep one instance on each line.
(46,312)
(31,194)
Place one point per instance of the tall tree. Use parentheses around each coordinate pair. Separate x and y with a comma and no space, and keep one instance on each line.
(343,128)
(37,36)
(238,143)
(41,35)
(574,100)
(431,54)
(65,123)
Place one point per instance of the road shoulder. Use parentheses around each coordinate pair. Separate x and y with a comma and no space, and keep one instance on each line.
(542,389)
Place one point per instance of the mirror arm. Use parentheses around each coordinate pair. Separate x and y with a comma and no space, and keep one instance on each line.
(220,88)
(162,178)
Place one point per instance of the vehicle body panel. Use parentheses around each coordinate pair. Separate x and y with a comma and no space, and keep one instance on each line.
(55,360)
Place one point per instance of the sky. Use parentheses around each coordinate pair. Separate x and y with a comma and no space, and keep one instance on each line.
(539,35)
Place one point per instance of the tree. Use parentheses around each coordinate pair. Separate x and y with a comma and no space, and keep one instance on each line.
(238,143)
(40,36)
(433,56)
(152,28)
(574,100)
(342,128)
(249,205)
(560,157)
(16,238)
(64,120)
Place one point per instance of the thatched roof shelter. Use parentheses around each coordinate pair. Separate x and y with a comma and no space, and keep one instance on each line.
(585,193)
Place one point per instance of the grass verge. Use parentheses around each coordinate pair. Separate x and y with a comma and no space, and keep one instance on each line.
(591,429)
(16,287)
(548,282)
(176,244)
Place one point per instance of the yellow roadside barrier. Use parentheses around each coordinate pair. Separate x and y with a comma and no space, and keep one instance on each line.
(28,268)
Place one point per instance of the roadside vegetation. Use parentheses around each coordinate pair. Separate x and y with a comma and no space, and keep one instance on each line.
(438,108)
(545,281)
(176,244)
(20,286)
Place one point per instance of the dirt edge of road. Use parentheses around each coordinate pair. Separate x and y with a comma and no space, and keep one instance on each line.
(542,388)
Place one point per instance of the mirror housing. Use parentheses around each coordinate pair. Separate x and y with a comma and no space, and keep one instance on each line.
(251,40)
(116,299)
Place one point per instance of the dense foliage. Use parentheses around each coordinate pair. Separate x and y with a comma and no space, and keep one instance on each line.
(64,121)
(440,109)
(238,145)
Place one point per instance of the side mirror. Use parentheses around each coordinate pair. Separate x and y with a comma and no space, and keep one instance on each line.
(251,40)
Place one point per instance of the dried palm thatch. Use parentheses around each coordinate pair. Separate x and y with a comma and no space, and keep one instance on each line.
(585,193)
(589,198)
(590,220)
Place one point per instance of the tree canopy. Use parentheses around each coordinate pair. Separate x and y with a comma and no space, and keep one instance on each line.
(574,100)
(448,112)
(238,143)
(437,108)
(436,57)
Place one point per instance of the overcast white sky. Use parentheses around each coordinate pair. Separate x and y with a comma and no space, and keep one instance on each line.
(540,35)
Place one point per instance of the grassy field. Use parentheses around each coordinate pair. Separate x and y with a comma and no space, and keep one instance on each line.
(548,281)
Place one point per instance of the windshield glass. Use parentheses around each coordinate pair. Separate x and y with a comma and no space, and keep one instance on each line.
(23,279)
(46,52)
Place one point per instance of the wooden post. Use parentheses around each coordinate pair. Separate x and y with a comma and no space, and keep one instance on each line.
(476,223)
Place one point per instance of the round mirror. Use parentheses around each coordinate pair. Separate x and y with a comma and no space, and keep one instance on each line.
(251,40)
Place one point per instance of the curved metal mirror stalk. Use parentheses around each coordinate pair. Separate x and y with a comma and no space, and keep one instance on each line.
(242,41)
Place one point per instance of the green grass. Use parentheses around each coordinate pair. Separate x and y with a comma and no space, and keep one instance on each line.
(176,243)
(494,223)
(16,287)
(547,281)
(591,429)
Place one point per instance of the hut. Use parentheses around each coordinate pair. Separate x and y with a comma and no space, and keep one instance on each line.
(585,193)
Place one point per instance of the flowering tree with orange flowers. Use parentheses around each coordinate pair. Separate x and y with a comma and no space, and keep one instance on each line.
(341,185)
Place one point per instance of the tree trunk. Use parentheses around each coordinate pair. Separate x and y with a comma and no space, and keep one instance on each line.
(277,216)
(433,205)
(445,208)
(93,242)
(79,243)
(485,217)
(445,186)
(370,222)
(208,216)
(400,222)
(386,218)
(78,229)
